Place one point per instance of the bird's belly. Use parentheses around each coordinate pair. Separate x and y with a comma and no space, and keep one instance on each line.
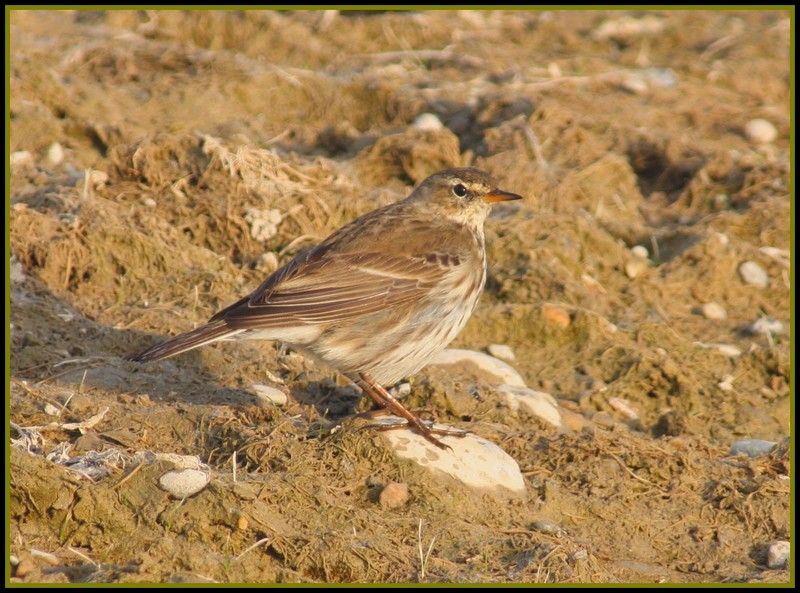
(389,346)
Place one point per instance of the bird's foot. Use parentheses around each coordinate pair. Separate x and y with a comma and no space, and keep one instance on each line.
(425,428)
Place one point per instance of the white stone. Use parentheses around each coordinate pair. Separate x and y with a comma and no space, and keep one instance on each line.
(401,390)
(501,351)
(760,131)
(635,267)
(428,122)
(624,407)
(540,404)
(21,158)
(714,311)
(51,410)
(184,483)
(753,274)
(471,459)
(97,179)
(778,554)
(767,326)
(55,154)
(269,394)
(727,349)
(640,251)
(489,364)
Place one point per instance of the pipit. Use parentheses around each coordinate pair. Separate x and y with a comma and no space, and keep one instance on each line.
(380,297)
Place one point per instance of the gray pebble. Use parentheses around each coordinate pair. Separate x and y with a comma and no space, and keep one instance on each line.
(752,447)
(546,526)
(778,554)
(753,274)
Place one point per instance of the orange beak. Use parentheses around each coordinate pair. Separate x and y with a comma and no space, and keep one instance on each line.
(498,195)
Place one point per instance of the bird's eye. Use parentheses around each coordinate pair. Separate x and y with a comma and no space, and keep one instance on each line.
(460,190)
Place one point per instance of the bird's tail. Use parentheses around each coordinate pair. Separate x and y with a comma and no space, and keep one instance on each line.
(211,332)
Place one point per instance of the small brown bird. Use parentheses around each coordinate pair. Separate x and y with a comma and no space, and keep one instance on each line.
(380,297)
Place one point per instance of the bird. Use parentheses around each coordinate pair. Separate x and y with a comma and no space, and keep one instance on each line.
(379,297)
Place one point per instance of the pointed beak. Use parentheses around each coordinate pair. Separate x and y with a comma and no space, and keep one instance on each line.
(498,195)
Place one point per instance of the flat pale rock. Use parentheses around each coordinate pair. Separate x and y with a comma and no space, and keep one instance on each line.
(184,483)
(489,364)
(501,351)
(540,404)
(476,462)
(267,394)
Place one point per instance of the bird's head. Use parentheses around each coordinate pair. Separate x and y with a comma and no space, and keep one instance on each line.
(465,194)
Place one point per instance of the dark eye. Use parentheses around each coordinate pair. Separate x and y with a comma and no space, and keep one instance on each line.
(460,190)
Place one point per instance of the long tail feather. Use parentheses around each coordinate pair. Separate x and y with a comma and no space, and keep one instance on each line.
(211,332)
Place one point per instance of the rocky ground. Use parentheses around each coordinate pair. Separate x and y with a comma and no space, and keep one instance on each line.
(632,422)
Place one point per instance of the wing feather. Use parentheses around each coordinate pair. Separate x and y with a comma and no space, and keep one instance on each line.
(326,287)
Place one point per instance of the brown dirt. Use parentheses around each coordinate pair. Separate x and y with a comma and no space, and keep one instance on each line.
(180,129)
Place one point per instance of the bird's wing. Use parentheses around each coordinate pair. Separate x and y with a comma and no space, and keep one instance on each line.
(325,287)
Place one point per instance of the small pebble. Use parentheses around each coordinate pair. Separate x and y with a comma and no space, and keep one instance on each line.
(661,77)
(24,568)
(55,154)
(714,311)
(580,555)
(47,557)
(604,419)
(556,316)
(401,390)
(394,495)
(723,239)
(51,410)
(728,350)
(753,274)
(97,179)
(184,483)
(760,131)
(727,383)
(546,526)
(540,404)
(767,326)
(150,202)
(428,122)
(242,523)
(640,251)
(501,351)
(752,447)
(21,158)
(13,560)
(270,395)
(573,420)
(778,554)
(721,201)
(635,267)
(624,407)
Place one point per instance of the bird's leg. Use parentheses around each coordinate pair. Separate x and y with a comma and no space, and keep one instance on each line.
(383,397)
